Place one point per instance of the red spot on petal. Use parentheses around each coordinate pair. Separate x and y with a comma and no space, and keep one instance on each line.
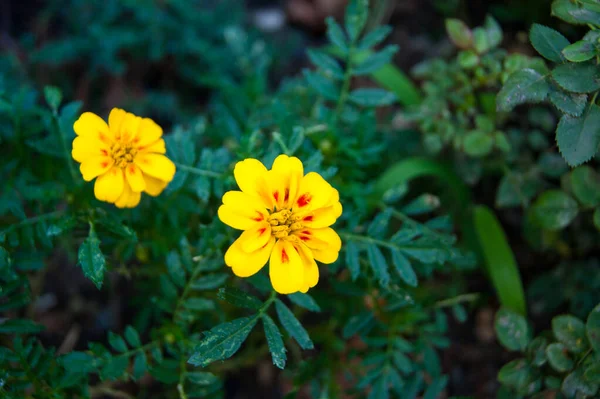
(304,238)
(308,218)
(304,200)
(132,169)
(104,164)
(104,152)
(261,231)
(276,195)
(259,217)
(287,194)
(307,232)
(284,256)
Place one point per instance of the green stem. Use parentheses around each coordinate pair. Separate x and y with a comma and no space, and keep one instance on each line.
(346,82)
(197,171)
(277,138)
(268,302)
(186,290)
(180,389)
(33,220)
(63,142)
(367,239)
(456,300)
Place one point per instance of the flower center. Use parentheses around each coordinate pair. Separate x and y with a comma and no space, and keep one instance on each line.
(123,154)
(283,222)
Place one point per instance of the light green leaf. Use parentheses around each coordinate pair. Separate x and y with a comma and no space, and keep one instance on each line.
(573,13)
(374,37)
(326,63)
(378,264)
(274,341)
(526,85)
(222,341)
(585,183)
(292,325)
(592,327)
(570,331)
(404,268)
(372,97)
(577,77)
(459,33)
(305,301)
(117,342)
(554,210)
(357,13)
(132,336)
(478,144)
(493,31)
(548,42)
(578,137)
(558,357)
(512,330)
(375,61)
(239,298)
(53,97)
(91,259)
(580,51)
(336,35)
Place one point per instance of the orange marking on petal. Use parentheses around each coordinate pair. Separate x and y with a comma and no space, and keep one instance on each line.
(307,232)
(308,218)
(104,164)
(304,238)
(259,218)
(304,200)
(287,194)
(132,169)
(276,195)
(104,152)
(284,256)
(261,231)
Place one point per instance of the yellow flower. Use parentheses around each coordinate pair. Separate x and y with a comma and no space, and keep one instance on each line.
(285,216)
(124,156)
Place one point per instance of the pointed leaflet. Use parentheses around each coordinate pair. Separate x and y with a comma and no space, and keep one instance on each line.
(352,259)
(554,210)
(378,264)
(274,341)
(357,14)
(305,301)
(239,298)
(91,259)
(578,137)
(404,268)
(326,63)
(222,341)
(292,325)
(372,97)
(548,42)
(522,86)
(375,61)
(581,77)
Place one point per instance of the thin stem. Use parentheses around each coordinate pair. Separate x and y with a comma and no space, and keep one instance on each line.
(180,389)
(33,220)
(277,138)
(367,239)
(186,289)
(63,142)
(456,300)
(265,306)
(197,171)
(346,82)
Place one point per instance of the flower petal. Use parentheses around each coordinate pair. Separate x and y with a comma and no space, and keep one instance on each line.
(95,166)
(135,178)
(314,193)
(129,128)
(128,198)
(256,237)
(311,270)
(87,147)
(157,147)
(286,268)
(326,256)
(154,186)
(320,239)
(156,165)
(115,120)
(241,211)
(250,177)
(110,185)
(149,132)
(323,217)
(289,172)
(246,264)
(91,125)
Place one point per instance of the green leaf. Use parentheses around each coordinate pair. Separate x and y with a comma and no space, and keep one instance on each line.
(140,365)
(199,304)
(578,137)
(239,298)
(481,42)
(573,13)
(352,259)
(115,368)
(356,323)
(596,218)
(568,103)
(4,262)
(175,269)
(78,362)
(404,268)
(516,374)
(292,325)
(575,386)
(321,85)
(459,33)
(512,330)
(20,326)
(209,282)
(305,301)
(493,31)
(372,97)
(374,37)
(536,351)
(222,341)
(357,13)
(570,331)
(585,183)
(436,387)
(580,51)
(201,378)
(558,357)
(376,61)
(548,42)
(378,264)
(592,373)
(592,327)
(117,342)
(274,341)
(91,258)
(499,260)
(478,144)
(53,97)
(577,77)
(526,85)
(335,34)
(554,210)
(326,63)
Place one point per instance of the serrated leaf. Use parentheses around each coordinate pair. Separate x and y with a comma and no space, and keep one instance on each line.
(117,342)
(568,103)
(573,13)
(580,51)
(92,259)
(326,63)
(292,325)
(209,282)
(526,85)
(558,357)
(222,341)
(274,341)
(548,42)
(374,37)
(372,97)
(356,323)
(336,35)
(352,259)
(239,298)
(132,337)
(512,330)
(578,137)
(459,33)
(375,61)
(378,264)
(577,77)
(305,301)
(404,268)
(592,327)
(554,210)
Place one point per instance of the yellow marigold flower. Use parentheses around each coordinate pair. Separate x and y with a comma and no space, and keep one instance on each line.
(125,156)
(285,216)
